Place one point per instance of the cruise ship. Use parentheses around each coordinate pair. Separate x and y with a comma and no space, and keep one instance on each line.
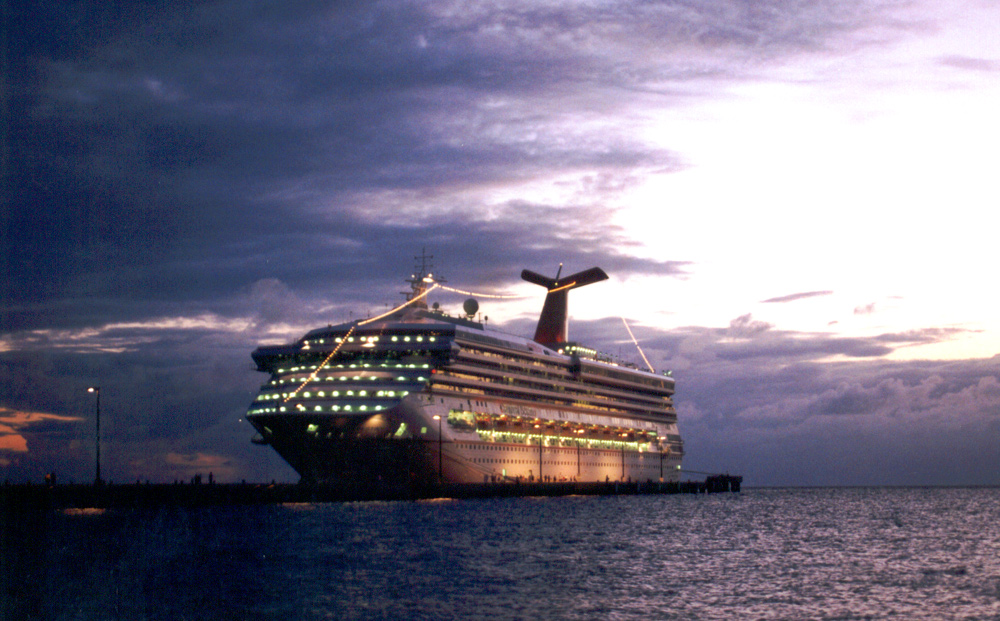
(420,396)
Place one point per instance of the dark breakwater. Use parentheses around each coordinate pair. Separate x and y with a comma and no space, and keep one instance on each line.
(33,497)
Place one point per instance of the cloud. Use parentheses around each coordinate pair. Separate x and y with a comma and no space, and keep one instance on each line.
(988,65)
(10,441)
(861,422)
(796,296)
(923,336)
(745,326)
(16,419)
(17,427)
(120,337)
(867,309)
(747,338)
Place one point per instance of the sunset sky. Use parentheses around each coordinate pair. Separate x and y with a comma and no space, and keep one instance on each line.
(796,201)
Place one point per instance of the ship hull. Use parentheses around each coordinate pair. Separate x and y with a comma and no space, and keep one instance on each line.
(362,450)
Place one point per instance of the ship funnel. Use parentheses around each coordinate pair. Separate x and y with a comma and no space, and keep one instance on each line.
(553,323)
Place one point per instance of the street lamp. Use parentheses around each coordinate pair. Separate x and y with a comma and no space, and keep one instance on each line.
(97,433)
(437,417)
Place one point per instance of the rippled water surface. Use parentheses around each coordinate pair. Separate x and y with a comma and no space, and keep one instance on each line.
(761,554)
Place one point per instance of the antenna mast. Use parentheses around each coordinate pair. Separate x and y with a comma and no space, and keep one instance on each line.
(421,278)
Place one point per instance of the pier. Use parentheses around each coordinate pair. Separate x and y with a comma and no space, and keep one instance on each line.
(70,496)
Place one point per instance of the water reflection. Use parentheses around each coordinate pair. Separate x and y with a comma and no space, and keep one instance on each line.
(845,553)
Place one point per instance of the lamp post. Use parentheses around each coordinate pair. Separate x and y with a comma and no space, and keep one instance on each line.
(437,417)
(97,433)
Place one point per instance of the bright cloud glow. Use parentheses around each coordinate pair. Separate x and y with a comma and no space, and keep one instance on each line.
(870,178)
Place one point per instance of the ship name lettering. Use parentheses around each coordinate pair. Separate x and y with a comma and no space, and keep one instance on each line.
(517,410)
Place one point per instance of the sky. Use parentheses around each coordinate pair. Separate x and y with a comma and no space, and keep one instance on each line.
(796,202)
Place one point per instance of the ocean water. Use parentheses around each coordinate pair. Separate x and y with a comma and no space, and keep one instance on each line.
(878,553)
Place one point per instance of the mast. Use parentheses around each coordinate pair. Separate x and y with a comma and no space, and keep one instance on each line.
(421,279)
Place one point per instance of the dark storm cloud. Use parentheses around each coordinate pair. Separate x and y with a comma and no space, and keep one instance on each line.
(180,155)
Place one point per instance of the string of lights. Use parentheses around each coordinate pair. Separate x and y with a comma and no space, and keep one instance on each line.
(333,353)
(313,375)
(401,306)
(641,353)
